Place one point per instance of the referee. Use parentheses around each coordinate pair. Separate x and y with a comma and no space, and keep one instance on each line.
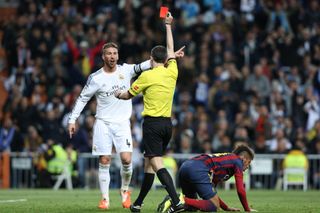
(157,86)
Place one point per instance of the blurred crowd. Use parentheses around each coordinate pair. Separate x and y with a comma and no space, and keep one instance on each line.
(251,73)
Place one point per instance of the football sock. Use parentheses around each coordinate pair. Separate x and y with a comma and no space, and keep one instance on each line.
(126,173)
(167,181)
(104,180)
(202,205)
(145,188)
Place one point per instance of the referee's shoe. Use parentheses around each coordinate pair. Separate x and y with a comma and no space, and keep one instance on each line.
(177,208)
(166,205)
(134,208)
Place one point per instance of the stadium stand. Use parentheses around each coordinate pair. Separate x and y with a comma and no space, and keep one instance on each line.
(250,73)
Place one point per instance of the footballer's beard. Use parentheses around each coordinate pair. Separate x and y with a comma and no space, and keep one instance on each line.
(111,64)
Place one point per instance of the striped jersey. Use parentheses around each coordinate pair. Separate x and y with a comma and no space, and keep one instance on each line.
(222,166)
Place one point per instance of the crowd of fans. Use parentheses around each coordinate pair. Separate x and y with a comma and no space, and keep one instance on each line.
(251,72)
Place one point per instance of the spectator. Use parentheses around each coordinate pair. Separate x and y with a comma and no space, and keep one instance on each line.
(277,16)
(10,137)
(279,143)
(260,145)
(33,141)
(225,146)
(312,109)
(258,84)
(23,113)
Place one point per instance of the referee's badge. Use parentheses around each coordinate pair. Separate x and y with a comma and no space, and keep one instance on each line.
(121,77)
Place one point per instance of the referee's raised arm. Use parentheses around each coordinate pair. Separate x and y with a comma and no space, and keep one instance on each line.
(170,46)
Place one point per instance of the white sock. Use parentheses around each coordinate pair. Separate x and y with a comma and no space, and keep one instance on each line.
(104,180)
(126,173)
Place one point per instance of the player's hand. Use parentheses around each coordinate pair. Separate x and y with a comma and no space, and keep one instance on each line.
(179,53)
(231,209)
(72,129)
(169,18)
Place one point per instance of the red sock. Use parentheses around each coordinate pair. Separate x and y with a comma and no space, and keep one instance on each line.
(202,205)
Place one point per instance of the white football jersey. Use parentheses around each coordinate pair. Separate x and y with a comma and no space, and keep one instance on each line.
(103,85)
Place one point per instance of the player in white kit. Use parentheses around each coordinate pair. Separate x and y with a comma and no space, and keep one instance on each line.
(112,125)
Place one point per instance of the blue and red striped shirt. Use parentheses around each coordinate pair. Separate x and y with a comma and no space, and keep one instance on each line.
(222,166)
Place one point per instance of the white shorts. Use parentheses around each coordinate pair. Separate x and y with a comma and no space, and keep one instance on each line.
(107,134)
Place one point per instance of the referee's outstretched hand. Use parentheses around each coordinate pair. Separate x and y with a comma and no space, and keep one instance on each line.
(179,53)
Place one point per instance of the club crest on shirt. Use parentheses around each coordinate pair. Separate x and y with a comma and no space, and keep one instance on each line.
(121,77)
(226,177)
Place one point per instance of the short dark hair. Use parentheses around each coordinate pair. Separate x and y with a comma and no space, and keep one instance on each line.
(242,149)
(108,45)
(159,54)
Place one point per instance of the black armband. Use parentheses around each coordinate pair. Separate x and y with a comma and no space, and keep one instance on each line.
(137,69)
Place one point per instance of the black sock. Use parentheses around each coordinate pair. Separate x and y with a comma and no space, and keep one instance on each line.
(145,188)
(167,181)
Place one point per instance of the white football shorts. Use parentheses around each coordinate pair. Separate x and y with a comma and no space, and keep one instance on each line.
(107,134)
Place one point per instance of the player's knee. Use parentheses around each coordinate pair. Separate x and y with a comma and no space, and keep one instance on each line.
(125,158)
(105,159)
(126,161)
(156,163)
(148,168)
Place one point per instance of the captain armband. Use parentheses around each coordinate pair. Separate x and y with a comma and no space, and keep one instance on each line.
(137,69)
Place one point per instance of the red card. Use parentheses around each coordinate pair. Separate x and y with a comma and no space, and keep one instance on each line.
(163,12)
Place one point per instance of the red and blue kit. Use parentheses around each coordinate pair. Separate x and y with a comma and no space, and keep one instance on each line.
(198,174)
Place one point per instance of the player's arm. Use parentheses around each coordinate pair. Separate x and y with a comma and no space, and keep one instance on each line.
(241,190)
(123,95)
(139,68)
(87,92)
(225,207)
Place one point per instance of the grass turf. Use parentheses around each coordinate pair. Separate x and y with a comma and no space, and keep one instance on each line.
(37,200)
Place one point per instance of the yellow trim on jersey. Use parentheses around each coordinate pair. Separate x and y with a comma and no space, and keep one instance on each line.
(157,86)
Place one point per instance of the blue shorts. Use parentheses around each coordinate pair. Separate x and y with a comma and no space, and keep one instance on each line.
(195,180)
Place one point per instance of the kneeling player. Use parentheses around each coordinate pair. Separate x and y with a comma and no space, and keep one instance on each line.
(198,174)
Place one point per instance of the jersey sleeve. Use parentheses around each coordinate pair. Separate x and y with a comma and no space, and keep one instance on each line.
(173,67)
(240,188)
(137,69)
(87,92)
(139,85)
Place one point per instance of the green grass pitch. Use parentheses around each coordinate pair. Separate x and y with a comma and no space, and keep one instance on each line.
(78,201)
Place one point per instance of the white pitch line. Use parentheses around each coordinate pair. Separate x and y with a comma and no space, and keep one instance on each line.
(13,201)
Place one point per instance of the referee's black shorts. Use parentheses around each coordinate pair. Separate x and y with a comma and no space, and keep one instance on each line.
(157,132)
